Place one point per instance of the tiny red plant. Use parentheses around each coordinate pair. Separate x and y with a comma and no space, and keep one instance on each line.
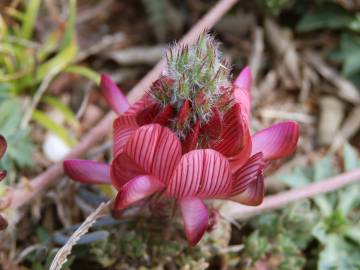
(189,139)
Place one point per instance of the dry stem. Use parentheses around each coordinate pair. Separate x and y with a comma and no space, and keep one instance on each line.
(64,252)
(234,211)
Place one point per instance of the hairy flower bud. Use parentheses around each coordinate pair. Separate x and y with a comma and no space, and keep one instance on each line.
(193,83)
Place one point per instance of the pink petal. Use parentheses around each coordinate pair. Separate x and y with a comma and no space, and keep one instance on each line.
(113,95)
(203,173)
(243,177)
(154,149)
(87,171)
(2,174)
(123,127)
(240,159)
(214,127)
(135,190)
(164,116)
(145,101)
(277,141)
(242,91)
(196,219)
(232,139)
(3,145)
(254,194)
(191,139)
(184,112)
(147,114)
(124,168)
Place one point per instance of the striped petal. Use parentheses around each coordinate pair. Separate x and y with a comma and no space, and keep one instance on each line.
(113,95)
(242,91)
(277,141)
(87,171)
(152,149)
(124,168)
(232,138)
(241,158)
(145,101)
(203,173)
(136,190)
(123,127)
(196,218)
(254,194)
(249,173)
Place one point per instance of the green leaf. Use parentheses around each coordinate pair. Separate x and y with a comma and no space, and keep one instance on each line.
(84,71)
(45,121)
(353,232)
(30,18)
(68,114)
(20,146)
(323,169)
(348,197)
(70,26)
(57,63)
(336,255)
(348,53)
(332,17)
(351,159)
(320,232)
(299,177)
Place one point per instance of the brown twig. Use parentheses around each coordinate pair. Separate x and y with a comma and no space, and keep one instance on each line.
(240,212)
(22,195)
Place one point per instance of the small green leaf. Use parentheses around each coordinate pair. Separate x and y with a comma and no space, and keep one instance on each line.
(84,71)
(30,18)
(68,114)
(299,177)
(353,232)
(45,121)
(335,255)
(332,17)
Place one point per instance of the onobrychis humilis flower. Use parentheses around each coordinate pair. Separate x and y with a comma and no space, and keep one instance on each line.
(188,139)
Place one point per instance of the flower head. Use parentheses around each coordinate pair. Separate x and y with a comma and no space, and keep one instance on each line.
(188,138)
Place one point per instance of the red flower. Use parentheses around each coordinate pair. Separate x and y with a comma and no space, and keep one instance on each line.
(170,149)
(3,146)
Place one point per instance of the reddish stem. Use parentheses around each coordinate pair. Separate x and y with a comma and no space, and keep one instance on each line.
(24,194)
(237,211)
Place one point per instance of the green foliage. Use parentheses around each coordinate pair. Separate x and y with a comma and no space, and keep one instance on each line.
(274,7)
(25,62)
(44,120)
(20,146)
(280,237)
(158,17)
(43,253)
(327,226)
(327,15)
(348,54)
(337,222)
